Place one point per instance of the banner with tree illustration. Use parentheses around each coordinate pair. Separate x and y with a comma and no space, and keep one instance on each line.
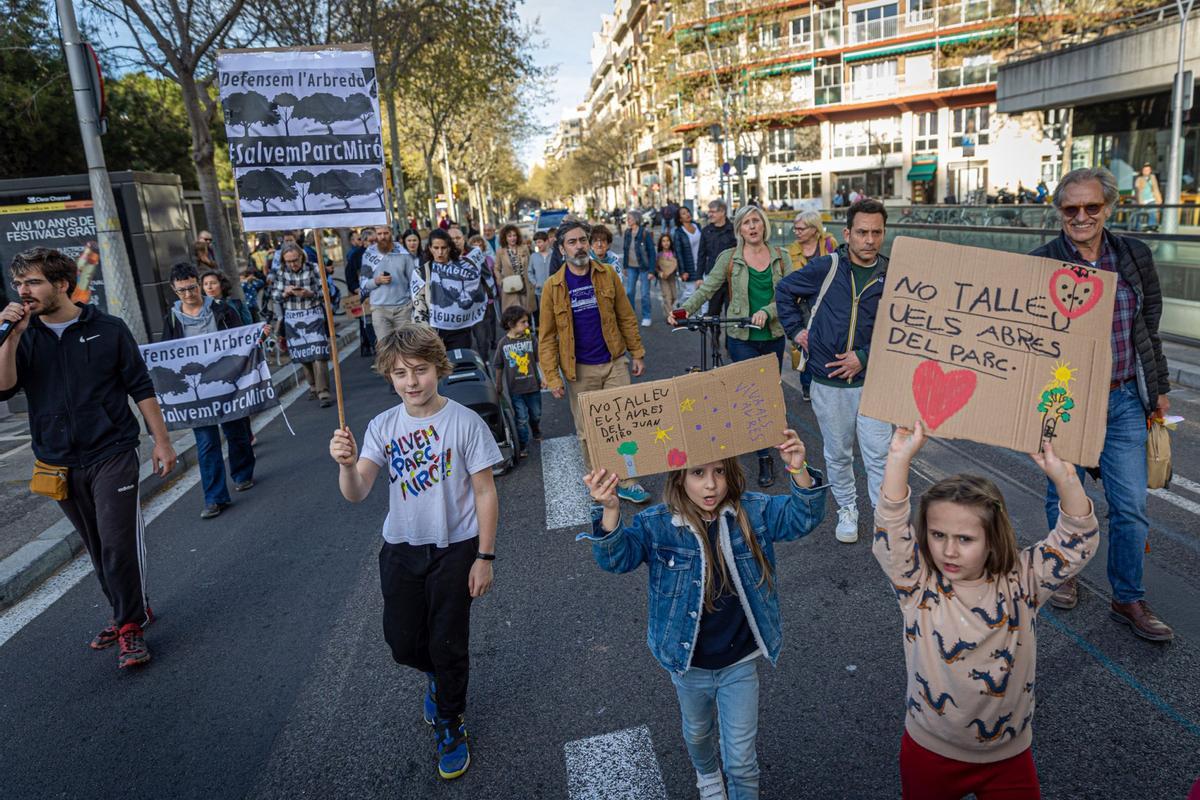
(216,377)
(304,136)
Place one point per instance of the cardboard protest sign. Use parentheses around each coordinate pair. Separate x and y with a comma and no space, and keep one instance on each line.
(304,136)
(356,306)
(686,421)
(994,347)
(215,377)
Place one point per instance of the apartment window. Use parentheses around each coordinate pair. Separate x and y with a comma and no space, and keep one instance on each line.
(791,188)
(800,30)
(919,11)
(971,126)
(827,80)
(829,26)
(785,145)
(873,22)
(873,79)
(802,88)
(867,137)
(768,35)
(1055,123)
(1051,169)
(925,132)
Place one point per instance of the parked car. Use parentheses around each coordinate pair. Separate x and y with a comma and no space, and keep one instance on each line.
(548,218)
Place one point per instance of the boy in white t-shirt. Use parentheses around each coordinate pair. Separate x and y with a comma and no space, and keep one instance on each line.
(440,531)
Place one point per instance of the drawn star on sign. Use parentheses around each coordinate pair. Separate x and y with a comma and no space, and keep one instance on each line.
(662,435)
(687,404)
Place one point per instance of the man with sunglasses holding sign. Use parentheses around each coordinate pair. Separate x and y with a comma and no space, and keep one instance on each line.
(1085,199)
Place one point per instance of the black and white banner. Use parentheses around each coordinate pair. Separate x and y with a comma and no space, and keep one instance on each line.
(216,377)
(304,137)
(307,334)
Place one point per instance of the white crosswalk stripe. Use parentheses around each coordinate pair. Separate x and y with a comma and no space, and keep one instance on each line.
(614,766)
(568,503)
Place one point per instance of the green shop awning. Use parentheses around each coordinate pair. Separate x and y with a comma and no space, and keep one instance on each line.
(923,172)
(780,69)
(880,52)
(968,37)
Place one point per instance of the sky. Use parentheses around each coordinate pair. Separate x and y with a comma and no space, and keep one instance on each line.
(566,32)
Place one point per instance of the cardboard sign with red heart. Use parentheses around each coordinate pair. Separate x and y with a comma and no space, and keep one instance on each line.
(994,347)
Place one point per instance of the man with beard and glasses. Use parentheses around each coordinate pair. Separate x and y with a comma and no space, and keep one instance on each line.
(588,328)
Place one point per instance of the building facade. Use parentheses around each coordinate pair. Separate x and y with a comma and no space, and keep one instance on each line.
(791,100)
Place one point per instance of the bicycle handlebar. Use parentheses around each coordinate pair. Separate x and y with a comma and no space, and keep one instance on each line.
(696,323)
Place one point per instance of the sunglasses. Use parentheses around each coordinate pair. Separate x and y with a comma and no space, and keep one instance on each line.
(1091,209)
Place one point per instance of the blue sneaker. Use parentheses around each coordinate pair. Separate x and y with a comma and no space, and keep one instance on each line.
(634,493)
(454,754)
(430,710)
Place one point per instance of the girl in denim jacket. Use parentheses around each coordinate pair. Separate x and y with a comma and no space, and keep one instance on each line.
(713,609)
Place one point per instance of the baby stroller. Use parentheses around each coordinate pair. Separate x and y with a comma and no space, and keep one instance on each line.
(473,385)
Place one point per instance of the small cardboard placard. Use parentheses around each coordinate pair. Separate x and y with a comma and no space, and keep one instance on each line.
(994,347)
(685,421)
(355,306)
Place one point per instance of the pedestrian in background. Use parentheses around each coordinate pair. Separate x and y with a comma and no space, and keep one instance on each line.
(1140,381)
(539,271)
(715,238)
(811,242)
(512,270)
(601,243)
(1147,193)
(447,291)
(298,288)
(516,365)
(686,241)
(81,367)
(669,214)
(485,332)
(637,262)
(712,534)
(252,284)
(218,287)
(749,273)
(665,270)
(386,277)
(412,243)
(203,257)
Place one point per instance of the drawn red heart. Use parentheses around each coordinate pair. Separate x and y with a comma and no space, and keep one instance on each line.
(1074,294)
(940,395)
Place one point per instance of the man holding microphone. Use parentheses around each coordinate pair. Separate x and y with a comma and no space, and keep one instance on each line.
(78,366)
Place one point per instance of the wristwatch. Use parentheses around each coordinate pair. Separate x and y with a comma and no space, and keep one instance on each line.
(485,556)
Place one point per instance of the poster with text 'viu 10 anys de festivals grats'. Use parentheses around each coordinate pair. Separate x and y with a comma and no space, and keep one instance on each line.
(995,347)
(304,136)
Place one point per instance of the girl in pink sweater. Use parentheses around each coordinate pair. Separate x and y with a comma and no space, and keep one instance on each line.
(969,598)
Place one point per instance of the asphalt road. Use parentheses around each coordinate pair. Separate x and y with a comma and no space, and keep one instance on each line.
(270,676)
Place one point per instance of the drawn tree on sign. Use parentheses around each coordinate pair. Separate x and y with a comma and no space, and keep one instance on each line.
(339,183)
(226,369)
(285,103)
(168,381)
(193,374)
(265,184)
(249,108)
(302,179)
(360,106)
(371,182)
(324,109)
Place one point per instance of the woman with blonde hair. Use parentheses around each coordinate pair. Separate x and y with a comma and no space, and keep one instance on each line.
(512,269)
(750,270)
(812,240)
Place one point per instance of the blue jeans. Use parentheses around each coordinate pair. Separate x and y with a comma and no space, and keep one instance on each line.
(528,408)
(632,277)
(1123,473)
(725,698)
(212,465)
(746,349)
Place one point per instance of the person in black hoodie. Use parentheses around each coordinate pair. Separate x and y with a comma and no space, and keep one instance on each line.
(193,314)
(715,238)
(78,367)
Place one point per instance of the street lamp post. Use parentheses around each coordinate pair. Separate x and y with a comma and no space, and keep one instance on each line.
(1170,222)
(726,184)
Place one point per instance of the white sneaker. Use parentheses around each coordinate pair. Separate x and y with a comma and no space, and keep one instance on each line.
(847,527)
(712,787)
(646,322)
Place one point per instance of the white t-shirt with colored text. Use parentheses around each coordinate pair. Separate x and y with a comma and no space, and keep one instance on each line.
(429,462)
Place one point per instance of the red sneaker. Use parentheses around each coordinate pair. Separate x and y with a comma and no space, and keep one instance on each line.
(133,646)
(106,638)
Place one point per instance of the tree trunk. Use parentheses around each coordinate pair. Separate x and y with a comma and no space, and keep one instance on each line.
(206,178)
(397,169)
(433,220)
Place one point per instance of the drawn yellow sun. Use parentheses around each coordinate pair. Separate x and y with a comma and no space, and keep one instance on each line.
(1063,375)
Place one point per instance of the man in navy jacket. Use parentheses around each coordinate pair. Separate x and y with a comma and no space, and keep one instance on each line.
(79,367)
(838,342)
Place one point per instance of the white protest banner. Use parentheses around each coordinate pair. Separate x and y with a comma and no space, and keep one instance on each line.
(304,136)
(457,298)
(212,378)
(306,334)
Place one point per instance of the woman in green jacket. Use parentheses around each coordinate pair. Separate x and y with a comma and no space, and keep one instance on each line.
(751,269)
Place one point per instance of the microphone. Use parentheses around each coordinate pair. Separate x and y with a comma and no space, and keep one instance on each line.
(5,329)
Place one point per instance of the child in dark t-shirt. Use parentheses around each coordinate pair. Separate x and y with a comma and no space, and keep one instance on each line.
(517,373)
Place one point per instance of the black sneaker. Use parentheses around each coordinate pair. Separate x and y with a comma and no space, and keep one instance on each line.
(213,511)
(766,471)
(806,394)
(244,485)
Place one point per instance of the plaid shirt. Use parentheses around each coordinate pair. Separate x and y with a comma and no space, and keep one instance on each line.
(1124,310)
(306,277)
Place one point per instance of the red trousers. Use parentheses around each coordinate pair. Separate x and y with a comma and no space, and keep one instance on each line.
(925,775)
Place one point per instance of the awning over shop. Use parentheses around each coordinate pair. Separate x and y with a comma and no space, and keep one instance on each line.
(923,171)
(880,52)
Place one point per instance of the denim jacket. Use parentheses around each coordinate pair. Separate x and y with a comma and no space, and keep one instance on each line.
(675,556)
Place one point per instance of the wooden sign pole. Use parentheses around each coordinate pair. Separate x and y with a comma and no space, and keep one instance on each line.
(333,348)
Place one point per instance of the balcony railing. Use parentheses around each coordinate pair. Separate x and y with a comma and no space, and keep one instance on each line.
(972,75)
(914,21)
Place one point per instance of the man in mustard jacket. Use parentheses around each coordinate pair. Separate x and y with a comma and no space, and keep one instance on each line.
(588,327)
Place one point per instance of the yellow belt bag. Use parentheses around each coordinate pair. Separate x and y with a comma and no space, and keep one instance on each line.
(49,480)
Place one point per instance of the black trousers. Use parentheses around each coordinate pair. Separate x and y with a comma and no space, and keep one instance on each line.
(102,504)
(460,339)
(427,614)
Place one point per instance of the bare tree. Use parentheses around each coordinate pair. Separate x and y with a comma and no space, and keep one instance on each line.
(178,39)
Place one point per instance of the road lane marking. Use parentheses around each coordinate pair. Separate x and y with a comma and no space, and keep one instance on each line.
(1183,483)
(614,766)
(16,617)
(568,503)
(1176,500)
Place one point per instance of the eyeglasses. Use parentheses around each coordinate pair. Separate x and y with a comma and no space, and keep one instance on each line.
(1091,209)
(187,289)
(292,261)
(31,283)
